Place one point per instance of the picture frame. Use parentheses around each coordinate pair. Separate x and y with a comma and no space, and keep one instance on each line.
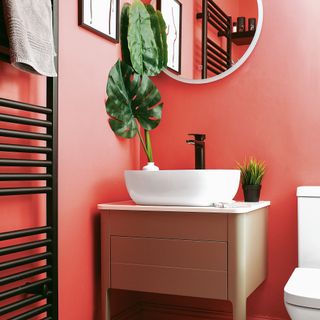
(172,13)
(100,17)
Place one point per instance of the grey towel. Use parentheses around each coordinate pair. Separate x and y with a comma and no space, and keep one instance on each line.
(29,25)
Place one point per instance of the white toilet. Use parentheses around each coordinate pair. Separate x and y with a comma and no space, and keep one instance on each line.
(302,291)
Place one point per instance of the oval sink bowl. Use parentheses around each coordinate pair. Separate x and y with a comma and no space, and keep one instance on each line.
(182,187)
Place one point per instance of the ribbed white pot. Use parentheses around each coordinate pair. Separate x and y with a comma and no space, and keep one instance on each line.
(150,167)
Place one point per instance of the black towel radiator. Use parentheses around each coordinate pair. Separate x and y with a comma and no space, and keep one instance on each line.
(33,290)
(215,59)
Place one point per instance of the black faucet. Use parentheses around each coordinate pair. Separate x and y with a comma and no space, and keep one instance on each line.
(199,149)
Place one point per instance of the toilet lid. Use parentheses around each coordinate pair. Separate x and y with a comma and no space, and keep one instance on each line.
(303,288)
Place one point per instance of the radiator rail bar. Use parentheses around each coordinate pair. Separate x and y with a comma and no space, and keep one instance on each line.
(23,261)
(24,289)
(24,233)
(24,134)
(22,303)
(24,246)
(24,106)
(25,274)
(23,148)
(20,191)
(32,313)
(24,163)
(24,176)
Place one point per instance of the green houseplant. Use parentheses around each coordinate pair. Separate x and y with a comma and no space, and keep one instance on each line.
(134,102)
(252,173)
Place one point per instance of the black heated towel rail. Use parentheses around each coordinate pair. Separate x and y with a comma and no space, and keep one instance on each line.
(215,58)
(29,257)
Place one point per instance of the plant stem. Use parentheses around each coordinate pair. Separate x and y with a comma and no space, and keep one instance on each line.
(143,144)
(148,145)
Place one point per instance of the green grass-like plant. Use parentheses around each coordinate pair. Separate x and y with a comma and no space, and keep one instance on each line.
(252,171)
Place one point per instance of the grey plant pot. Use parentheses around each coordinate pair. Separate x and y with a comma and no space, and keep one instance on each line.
(251,193)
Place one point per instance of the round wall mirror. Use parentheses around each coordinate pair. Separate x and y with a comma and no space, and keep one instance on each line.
(209,39)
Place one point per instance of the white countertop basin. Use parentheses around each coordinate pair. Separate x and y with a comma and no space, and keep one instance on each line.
(182,187)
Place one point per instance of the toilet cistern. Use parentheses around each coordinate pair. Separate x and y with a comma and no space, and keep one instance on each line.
(199,149)
(302,291)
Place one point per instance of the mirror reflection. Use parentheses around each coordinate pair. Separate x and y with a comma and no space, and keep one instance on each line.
(207,37)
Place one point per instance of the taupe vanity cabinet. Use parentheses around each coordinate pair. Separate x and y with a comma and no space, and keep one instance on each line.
(206,252)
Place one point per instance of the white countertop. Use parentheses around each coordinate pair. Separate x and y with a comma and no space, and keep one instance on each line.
(235,207)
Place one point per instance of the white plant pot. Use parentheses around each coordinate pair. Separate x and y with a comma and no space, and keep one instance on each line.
(150,167)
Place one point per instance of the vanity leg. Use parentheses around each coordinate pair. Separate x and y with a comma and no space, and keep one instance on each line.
(106,305)
(108,317)
(239,309)
(105,267)
(237,280)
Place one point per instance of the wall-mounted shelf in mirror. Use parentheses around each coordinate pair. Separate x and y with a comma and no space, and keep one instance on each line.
(242,38)
(203,55)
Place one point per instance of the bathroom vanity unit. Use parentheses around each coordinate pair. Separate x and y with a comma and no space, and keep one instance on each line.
(206,252)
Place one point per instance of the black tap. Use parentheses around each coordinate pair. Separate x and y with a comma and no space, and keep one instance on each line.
(199,149)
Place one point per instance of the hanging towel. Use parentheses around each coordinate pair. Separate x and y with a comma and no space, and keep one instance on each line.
(30,32)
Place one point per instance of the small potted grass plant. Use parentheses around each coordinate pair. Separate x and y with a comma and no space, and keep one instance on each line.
(252,173)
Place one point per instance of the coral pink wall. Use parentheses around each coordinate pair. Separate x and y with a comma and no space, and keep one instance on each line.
(269,108)
(91,162)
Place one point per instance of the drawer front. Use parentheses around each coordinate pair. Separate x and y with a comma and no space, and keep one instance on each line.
(208,255)
(180,267)
(175,225)
(176,281)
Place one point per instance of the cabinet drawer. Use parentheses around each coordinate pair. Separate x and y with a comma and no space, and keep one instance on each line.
(180,267)
(176,225)
(176,281)
(208,255)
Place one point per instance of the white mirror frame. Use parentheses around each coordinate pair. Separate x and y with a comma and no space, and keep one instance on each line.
(237,65)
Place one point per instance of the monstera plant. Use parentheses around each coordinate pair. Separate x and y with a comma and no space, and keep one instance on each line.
(132,99)
(134,102)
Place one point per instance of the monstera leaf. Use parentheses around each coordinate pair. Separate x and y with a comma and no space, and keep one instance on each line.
(159,31)
(131,98)
(163,34)
(143,38)
(124,23)
(141,41)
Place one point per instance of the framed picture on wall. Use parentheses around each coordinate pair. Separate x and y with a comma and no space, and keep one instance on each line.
(100,17)
(172,14)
